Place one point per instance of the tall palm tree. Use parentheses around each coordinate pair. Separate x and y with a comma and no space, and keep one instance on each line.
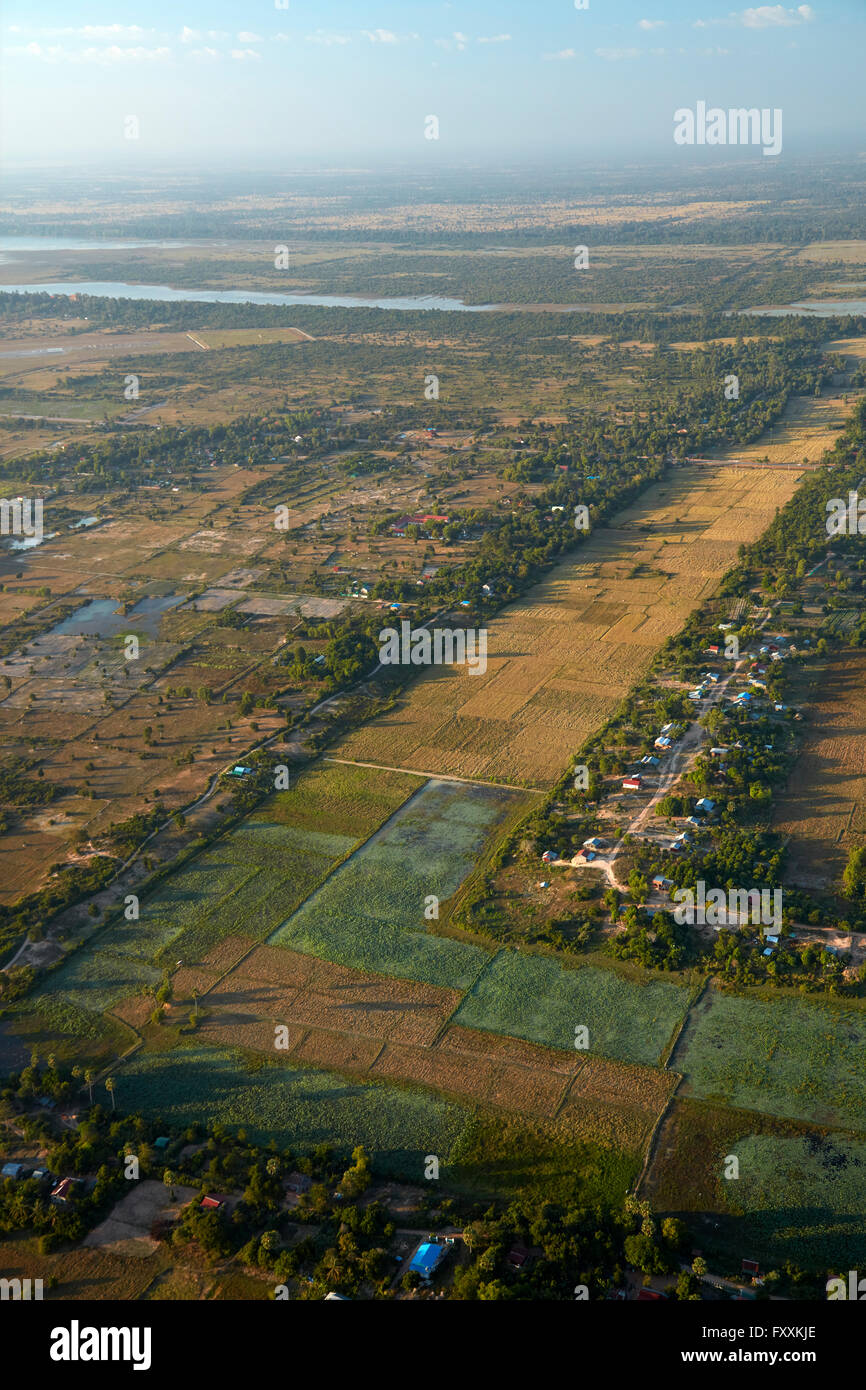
(88,1081)
(109,1086)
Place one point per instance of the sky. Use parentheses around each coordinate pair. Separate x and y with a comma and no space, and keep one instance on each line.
(353,83)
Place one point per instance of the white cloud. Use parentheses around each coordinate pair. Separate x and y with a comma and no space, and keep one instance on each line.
(113,54)
(242,55)
(209,53)
(380,35)
(616,55)
(328,39)
(652,24)
(457,40)
(496,38)
(250,38)
(563,53)
(188,35)
(763,17)
(776,16)
(110,31)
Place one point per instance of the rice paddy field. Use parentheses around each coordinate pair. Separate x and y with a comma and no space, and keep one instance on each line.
(369,914)
(800,1193)
(534,997)
(780,1057)
(560,659)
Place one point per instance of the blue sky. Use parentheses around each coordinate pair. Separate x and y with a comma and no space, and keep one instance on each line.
(350,82)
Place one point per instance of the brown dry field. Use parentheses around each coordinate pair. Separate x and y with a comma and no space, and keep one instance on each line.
(83,1272)
(245,337)
(560,659)
(298,989)
(55,707)
(823,808)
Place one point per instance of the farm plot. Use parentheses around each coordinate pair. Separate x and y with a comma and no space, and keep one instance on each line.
(369,914)
(292,1104)
(781,1057)
(300,989)
(94,980)
(586,633)
(823,805)
(534,997)
(800,1193)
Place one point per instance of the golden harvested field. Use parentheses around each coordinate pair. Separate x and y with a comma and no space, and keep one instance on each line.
(823,808)
(508,1085)
(807,428)
(561,659)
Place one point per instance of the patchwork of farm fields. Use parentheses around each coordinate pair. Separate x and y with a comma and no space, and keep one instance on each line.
(776,1056)
(246,882)
(799,1195)
(560,659)
(399,1030)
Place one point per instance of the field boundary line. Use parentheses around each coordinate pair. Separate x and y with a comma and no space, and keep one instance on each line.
(440,776)
(569,1083)
(666,1066)
(465,995)
(672,1047)
(652,1141)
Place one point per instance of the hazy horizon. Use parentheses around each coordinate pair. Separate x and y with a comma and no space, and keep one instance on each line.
(351,84)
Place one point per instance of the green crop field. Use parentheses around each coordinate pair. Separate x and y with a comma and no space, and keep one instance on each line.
(779,1056)
(799,1195)
(534,997)
(815,1183)
(370,913)
(294,1105)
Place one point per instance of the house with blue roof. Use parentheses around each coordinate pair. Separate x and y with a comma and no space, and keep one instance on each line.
(427,1259)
